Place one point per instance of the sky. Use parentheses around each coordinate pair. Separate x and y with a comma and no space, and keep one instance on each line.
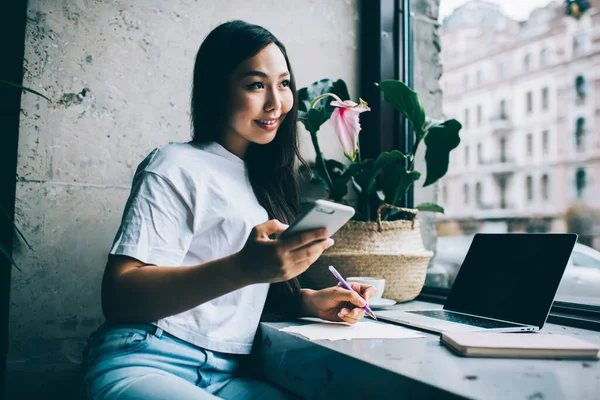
(516,9)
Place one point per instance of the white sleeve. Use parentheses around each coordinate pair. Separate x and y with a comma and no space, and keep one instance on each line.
(158,224)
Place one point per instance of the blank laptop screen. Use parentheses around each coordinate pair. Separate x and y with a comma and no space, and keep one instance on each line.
(513,277)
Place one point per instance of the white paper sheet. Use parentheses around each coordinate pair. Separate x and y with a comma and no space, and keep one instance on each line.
(342,331)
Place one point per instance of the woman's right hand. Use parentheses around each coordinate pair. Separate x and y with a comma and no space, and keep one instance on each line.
(275,260)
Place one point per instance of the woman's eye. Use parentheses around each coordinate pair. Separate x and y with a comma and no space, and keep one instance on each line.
(285,83)
(255,85)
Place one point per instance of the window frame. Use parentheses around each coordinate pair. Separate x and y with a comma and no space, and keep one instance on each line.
(387,38)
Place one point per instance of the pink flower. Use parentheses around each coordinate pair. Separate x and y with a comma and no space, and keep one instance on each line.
(346,124)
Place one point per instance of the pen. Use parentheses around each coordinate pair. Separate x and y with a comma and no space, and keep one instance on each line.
(346,286)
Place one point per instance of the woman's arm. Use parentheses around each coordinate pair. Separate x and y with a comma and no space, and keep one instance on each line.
(135,292)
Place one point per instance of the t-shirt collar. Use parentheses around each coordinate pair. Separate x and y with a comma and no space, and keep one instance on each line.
(218,149)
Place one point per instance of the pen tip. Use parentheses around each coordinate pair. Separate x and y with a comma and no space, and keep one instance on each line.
(373,315)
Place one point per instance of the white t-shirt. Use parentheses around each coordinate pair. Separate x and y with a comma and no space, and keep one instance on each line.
(190,204)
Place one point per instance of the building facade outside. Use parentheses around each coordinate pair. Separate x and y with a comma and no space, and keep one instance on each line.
(528,96)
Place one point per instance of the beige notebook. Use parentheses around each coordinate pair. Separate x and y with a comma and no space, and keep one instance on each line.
(519,345)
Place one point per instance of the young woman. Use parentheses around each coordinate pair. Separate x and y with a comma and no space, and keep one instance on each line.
(195,263)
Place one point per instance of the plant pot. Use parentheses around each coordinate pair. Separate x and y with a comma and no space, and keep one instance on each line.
(391,250)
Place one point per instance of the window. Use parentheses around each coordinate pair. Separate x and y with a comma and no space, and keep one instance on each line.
(579,44)
(545,142)
(579,133)
(445,194)
(466,117)
(580,182)
(527,62)
(503,149)
(544,185)
(532,117)
(529,186)
(580,89)
(544,57)
(467,156)
(466,81)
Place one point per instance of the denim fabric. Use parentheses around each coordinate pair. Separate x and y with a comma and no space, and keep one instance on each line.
(126,362)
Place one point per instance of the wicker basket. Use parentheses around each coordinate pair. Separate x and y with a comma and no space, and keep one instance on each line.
(391,250)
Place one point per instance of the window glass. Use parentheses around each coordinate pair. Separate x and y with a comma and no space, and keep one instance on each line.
(535,149)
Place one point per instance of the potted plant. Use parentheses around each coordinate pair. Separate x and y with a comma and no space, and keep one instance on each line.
(383,239)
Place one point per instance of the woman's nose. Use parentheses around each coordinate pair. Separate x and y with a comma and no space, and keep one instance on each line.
(273,101)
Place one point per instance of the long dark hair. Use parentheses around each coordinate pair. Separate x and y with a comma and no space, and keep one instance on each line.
(271,167)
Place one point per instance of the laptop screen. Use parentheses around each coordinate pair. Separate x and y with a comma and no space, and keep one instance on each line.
(511,276)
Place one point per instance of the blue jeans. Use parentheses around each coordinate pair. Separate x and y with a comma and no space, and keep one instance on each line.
(141,361)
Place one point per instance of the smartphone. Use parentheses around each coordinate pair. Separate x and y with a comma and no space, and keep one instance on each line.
(321,214)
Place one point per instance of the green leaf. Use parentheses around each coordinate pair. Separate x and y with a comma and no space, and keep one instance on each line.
(407,102)
(440,140)
(340,186)
(307,94)
(313,119)
(7,83)
(7,255)
(385,159)
(430,207)
(395,181)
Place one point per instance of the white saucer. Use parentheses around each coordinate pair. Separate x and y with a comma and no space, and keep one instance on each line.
(379,303)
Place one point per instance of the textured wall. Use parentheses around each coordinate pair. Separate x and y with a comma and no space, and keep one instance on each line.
(119,75)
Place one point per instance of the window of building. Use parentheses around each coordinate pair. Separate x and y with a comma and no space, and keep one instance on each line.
(544,98)
(529,187)
(580,88)
(478,194)
(501,70)
(503,114)
(445,194)
(503,149)
(467,156)
(466,193)
(466,122)
(544,57)
(527,62)
(545,141)
(478,78)
(479,154)
(529,101)
(579,133)
(479,116)
(579,44)
(544,184)
(580,182)
(530,144)
(466,81)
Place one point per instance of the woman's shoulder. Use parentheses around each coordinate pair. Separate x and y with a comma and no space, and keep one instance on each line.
(174,159)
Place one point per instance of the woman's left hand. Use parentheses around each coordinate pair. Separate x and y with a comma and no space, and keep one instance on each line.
(336,303)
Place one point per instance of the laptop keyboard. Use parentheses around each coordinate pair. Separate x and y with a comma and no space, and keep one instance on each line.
(465,319)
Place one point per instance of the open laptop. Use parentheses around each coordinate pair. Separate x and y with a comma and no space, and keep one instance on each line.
(506,283)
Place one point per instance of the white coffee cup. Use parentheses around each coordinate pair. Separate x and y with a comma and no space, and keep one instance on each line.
(377,283)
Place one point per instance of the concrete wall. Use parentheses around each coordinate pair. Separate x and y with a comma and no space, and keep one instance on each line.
(119,76)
